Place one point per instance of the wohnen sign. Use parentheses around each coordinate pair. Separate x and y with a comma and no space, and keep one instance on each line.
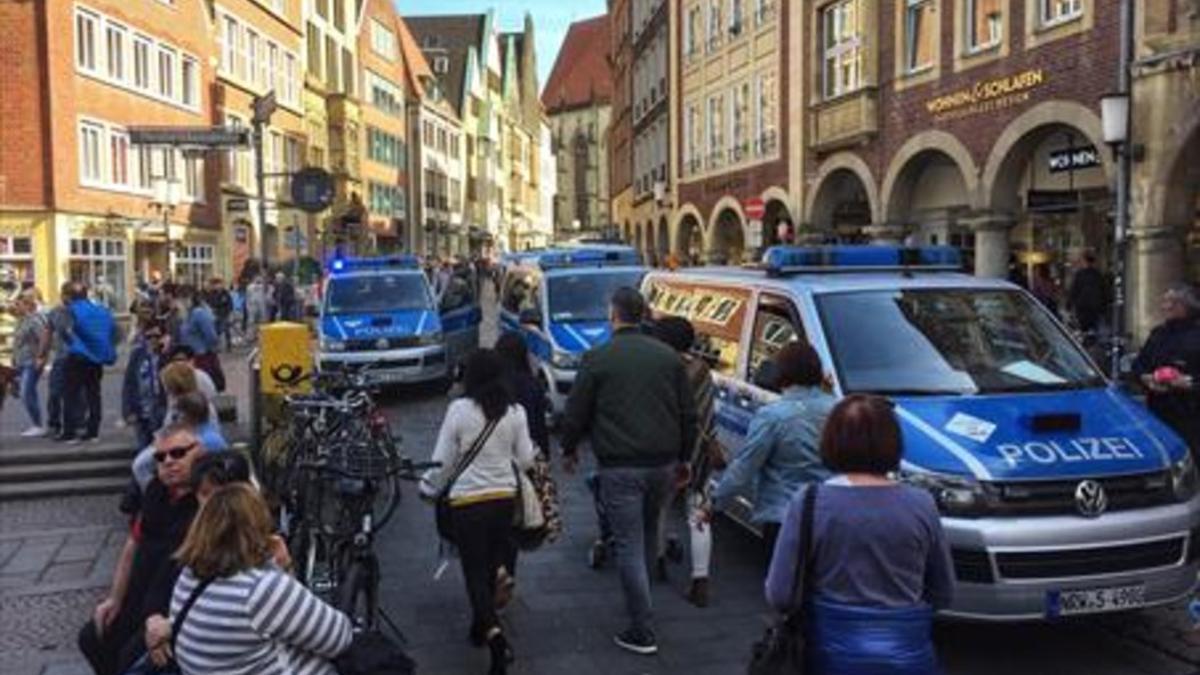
(986,95)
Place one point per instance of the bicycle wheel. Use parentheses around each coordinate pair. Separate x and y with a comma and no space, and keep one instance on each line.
(358,593)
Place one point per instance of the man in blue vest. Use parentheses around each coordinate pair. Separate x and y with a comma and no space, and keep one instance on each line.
(91,345)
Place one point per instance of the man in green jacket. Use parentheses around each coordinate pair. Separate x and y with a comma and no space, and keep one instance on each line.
(632,399)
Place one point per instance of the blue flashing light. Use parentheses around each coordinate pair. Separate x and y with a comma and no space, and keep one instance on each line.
(797,259)
(590,256)
(406,262)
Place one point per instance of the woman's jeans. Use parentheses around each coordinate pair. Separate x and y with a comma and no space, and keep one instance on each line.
(483,535)
(29,393)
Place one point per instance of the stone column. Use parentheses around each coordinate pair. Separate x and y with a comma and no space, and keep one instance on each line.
(1155,263)
(991,242)
(887,234)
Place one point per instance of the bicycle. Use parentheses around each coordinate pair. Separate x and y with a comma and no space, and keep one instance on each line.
(334,539)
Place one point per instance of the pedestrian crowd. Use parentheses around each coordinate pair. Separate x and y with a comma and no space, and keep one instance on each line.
(203,582)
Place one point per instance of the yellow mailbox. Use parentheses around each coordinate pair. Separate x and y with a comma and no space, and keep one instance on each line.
(287,358)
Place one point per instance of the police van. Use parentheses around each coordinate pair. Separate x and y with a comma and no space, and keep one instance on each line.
(383,313)
(1059,494)
(557,299)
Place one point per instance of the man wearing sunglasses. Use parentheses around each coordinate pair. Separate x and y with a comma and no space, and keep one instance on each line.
(145,573)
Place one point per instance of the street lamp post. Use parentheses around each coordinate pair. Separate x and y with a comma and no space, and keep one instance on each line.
(166,198)
(1116,119)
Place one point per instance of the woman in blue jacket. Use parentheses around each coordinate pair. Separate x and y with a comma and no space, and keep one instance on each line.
(880,563)
(781,450)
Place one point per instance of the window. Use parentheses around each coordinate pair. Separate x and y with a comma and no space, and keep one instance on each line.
(764,11)
(290,79)
(274,76)
(693,132)
(331,64)
(736,14)
(383,41)
(189,82)
(384,95)
(253,74)
(714,24)
(91,167)
(292,158)
(166,72)
(692,30)
(347,72)
(427,136)
(16,253)
(143,167)
(314,51)
(322,8)
(339,15)
(118,159)
(441,64)
(985,26)
(741,121)
(716,124)
(842,48)
(775,326)
(1057,11)
(85,40)
(229,46)
(920,34)
(97,262)
(115,41)
(141,62)
(194,264)
(193,178)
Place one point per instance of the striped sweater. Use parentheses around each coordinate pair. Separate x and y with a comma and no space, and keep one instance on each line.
(258,621)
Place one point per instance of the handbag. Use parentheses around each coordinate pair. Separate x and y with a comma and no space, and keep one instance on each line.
(781,649)
(442,513)
(144,666)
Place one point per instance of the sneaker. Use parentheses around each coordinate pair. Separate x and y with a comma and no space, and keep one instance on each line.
(33,431)
(638,641)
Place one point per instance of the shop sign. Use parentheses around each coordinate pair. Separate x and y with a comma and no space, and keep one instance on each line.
(237,204)
(986,95)
(200,137)
(1073,159)
(1052,201)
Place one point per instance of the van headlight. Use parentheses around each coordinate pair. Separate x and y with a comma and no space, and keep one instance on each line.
(954,495)
(1184,480)
(429,339)
(333,346)
(564,360)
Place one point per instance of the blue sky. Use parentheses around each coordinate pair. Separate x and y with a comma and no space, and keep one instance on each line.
(550,19)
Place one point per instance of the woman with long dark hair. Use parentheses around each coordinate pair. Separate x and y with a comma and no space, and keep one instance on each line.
(489,422)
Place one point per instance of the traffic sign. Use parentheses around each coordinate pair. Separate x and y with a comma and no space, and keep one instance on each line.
(312,189)
(754,208)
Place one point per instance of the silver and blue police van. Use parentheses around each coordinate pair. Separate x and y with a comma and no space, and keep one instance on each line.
(383,313)
(557,299)
(1060,495)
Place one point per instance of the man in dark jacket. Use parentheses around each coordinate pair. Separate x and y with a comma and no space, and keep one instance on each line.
(1169,365)
(145,575)
(633,399)
(1089,295)
(221,303)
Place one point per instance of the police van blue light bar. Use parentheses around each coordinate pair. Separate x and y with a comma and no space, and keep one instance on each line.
(366,264)
(780,260)
(596,256)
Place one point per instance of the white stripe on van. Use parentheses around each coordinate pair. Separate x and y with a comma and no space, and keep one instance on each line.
(421,323)
(570,330)
(981,472)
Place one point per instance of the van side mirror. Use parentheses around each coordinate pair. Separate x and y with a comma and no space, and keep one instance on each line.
(530,317)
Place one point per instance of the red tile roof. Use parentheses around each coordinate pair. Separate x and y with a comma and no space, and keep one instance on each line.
(581,74)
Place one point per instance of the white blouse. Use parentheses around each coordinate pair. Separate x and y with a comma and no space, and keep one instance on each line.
(492,469)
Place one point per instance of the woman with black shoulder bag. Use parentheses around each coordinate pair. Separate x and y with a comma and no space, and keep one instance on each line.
(860,567)
(484,434)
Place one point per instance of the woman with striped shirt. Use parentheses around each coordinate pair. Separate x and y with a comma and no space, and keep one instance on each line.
(252,617)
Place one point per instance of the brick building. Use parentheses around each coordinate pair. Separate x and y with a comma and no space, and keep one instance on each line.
(77,201)
(620,126)
(969,122)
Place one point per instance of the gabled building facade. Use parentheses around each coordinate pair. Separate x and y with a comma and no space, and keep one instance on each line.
(385,164)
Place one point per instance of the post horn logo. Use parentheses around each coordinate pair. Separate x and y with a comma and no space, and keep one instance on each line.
(1090,499)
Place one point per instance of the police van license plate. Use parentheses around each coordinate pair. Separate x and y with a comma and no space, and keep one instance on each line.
(1095,600)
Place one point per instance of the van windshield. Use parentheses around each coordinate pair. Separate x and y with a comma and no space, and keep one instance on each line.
(377,293)
(950,341)
(585,297)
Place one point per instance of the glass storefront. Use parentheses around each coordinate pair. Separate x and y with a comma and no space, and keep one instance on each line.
(101,264)
(16,258)
(195,264)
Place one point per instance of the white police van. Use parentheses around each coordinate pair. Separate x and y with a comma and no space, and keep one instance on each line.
(1059,494)
(557,299)
(382,313)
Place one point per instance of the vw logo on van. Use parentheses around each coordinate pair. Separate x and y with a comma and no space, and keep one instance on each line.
(381,343)
(1090,499)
